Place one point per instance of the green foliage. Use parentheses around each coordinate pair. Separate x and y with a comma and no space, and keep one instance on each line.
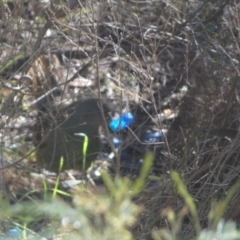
(13,60)
(108,215)
(113,212)
(218,210)
(199,43)
(223,231)
(182,191)
(217,229)
(85,147)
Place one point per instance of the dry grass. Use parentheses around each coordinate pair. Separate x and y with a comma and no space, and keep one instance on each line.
(158,58)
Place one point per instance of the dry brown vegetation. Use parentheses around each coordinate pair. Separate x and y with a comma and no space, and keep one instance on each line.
(174,64)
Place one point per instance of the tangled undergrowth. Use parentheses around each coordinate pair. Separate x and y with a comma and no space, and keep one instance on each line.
(173,64)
